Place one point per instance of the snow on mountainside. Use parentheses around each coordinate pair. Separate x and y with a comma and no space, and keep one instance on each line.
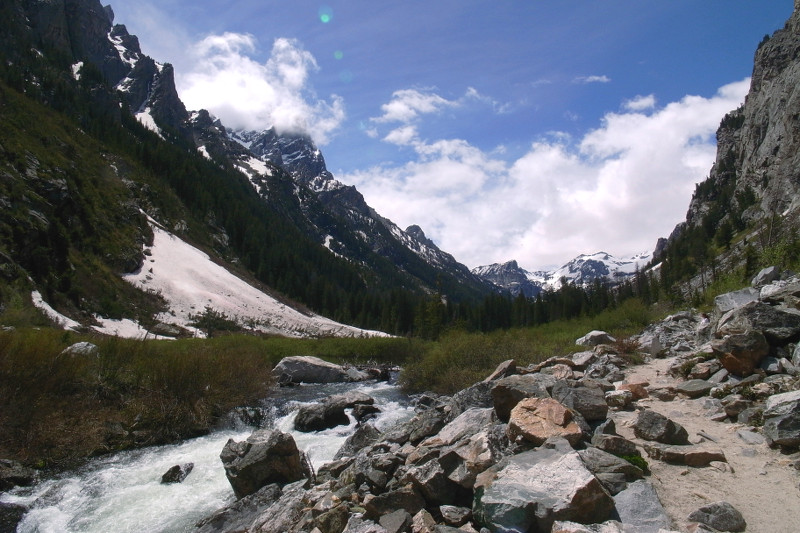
(583,270)
(189,281)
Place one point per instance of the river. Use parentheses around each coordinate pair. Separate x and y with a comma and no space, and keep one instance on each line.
(123,492)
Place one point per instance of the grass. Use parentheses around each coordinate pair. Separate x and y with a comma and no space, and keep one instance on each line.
(57,409)
(460,359)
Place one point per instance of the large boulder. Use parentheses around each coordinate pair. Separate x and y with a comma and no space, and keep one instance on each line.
(651,425)
(613,472)
(537,419)
(640,510)
(782,419)
(595,338)
(331,412)
(741,353)
(778,324)
(240,514)
(533,489)
(733,300)
(310,369)
(267,456)
(507,392)
(588,400)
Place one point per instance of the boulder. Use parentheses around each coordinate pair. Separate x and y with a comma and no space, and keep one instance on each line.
(695,388)
(640,509)
(241,513)
(177,473)
(779,325)
(478,395)
(468,458)
(503,370)
(766,276)
(396,522)
(309,369)
(613,472)
(507,392)
(733,300)
(81,349)
(533,489)
(364,436)
(11,515)
(331,412)
(405,497)
(782,419)
(538,419)
(14,474)
(431,480)
(619,399)
(722,516)
(267,456)
(463,426)
(651,425)
(741,353)
(595,338)
(614,444)
(639,390)
(689,455)
(588,400)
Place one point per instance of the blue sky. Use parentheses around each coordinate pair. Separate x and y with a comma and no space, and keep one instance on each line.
(532,130)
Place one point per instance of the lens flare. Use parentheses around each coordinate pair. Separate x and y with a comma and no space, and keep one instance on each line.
(338,54)
(325,14)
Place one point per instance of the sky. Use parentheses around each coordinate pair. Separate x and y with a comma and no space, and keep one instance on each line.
(534,130)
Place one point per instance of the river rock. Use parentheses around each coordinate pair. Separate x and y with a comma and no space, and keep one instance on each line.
(587,399)
(534,489)
(507,392)
(330,412)
(177,473)
(14,474)
(310,369)
(595,338)
(241,513)
(722,516)
(640,510)
(651,425)
(537,419)
(267,456)
(740,353)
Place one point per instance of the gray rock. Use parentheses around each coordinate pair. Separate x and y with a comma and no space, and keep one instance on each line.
(309,369)
(615,444)
(503,370)
(241,513)
(779,325)
(595,338)
(651,425)
(283,514)
(357,524)
(782,419)
(588,400)
(610,526)
(619,399)
(267,456)
(771,365)
(432,482)
(534,489)
(507,392)
(455,516)
(14,474)
(405,497)
(11,515)
(81,349)
(478,395)
(722,516)
(396,522)
(330,412)
(177,473)
(733,300)
(750,437)
(364,436)
(766,276)
(695,388)
(691,455)
(640,509)
(613,472)
(463,426)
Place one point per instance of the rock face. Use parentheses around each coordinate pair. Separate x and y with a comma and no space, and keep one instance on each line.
(309,369)
(267,456)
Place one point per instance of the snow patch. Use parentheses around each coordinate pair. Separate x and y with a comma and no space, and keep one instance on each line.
(190,282)
(147,120)
(76,70)
(126,327)
(63,321)
(205,153)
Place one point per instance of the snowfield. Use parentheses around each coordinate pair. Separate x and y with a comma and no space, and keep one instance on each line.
(189,281)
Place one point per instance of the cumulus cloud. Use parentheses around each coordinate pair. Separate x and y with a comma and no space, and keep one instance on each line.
(617,189)
(243,92)
(592,79)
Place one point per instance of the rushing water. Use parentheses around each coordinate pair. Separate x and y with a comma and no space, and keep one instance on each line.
(123,492)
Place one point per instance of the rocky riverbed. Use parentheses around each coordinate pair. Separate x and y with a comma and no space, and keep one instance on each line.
(701,437)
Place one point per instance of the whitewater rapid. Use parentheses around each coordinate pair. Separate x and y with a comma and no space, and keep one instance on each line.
(123,492)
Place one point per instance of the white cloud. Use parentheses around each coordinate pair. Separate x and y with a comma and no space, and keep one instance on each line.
(592,79)
(226,80)
(408,104)
(617,189)
(640,103)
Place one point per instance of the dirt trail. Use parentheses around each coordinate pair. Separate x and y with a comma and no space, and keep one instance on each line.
(762,483)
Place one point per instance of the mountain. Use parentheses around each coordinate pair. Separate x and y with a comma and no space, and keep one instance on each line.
(582,271)
(747,213)
(131,161)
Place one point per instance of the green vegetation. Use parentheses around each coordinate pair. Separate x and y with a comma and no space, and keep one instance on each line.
(58,408)
(460,358)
